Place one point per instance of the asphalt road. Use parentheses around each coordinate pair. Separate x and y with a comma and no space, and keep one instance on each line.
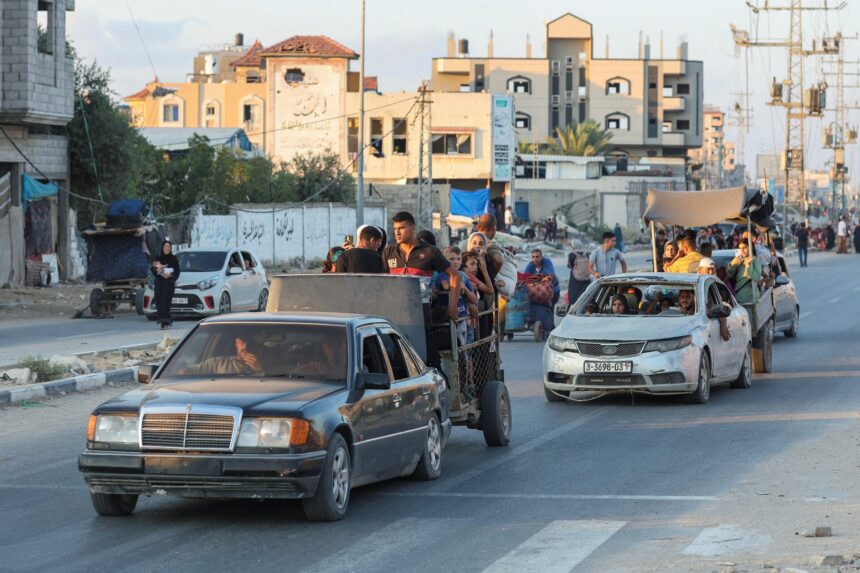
(617,484)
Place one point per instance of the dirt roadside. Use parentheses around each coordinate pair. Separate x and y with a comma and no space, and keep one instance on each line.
(57,300)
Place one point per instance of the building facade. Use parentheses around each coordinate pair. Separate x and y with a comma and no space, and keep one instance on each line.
(719,167)
(652,106)
(36,103)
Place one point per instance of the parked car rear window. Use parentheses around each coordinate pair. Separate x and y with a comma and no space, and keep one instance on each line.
(201,261)
(268,350)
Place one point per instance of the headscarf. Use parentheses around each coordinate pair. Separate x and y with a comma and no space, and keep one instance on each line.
(478,234)
(168,260)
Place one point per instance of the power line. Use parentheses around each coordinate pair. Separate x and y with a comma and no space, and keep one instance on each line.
(139,35)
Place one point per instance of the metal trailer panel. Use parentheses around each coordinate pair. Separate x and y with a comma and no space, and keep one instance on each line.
(395,298)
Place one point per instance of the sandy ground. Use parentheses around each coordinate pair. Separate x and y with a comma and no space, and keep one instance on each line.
(53,301)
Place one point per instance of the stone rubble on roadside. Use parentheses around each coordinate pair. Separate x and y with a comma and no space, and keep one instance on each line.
(72,364)
(18,376)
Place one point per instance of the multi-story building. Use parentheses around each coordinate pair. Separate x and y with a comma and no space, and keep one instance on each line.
(719,166)
(36,103)
(652,106)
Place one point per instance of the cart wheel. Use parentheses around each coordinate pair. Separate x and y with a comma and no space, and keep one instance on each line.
(96,302)
(138,301)
(763,349)
(538,331)
(509,335)
(496,414)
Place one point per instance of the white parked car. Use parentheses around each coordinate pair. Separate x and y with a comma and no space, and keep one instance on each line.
(668,342)
(213,281)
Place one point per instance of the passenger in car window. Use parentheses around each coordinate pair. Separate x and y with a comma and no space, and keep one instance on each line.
(245,361)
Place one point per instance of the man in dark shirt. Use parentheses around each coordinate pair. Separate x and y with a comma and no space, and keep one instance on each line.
(802,243)
(363,258)
(414,257)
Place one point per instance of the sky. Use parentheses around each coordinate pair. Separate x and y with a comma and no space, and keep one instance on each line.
(403,36)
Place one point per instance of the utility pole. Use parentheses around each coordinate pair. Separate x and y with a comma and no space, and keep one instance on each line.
(789,93)
(359,192)
(740,116)
(425,158)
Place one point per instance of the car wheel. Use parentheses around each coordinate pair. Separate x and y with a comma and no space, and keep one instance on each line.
(795,324)
(430,464)
(332,495)
(113,504)
(263,300)
(496,414)
(96,302)
(703,389)
(745,377)
(138,301)
(224,306)
(555,395)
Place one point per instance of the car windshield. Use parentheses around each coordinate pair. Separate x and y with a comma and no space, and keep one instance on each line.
(267,350)
(201,261)
(651,299)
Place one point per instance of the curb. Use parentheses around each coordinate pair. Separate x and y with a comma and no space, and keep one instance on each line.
(43,390)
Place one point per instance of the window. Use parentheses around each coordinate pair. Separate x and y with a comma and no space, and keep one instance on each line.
(555,100)
(555,67)
(352,136)
(395,356)
(683,89)
(452,144)
(667,127)
(617,121)
(716,128)
(465,88)
(399,142)
(568,80)
(568,95)
(520,85)
(416,365)
(250,113)
(682,124)
(523,121)
(668,91)
(210,110)
(618,86)
(45,27)
(582,110)
(170,113)
(581,56)
(568,113)
(252,77)
(294,76)
(372,360)
(568,61)
(479,77)
(376,136)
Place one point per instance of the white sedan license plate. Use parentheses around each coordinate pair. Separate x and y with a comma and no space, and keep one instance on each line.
(592,367)
(179,300)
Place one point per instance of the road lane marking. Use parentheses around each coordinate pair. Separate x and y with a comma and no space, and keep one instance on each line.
(509,455)
(88,335)
(558,547)
(833,300)
(40,486)
(546,496)
(805,314)
(782,417)
(726,539)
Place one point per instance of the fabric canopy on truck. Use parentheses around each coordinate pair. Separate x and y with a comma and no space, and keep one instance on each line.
(694,208)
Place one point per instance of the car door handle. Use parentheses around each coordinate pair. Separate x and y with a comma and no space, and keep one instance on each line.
(396,399)
(425,390)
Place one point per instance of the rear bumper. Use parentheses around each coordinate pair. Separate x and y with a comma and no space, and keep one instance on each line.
(214,476)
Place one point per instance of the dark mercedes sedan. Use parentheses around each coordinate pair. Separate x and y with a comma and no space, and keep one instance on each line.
(272,405)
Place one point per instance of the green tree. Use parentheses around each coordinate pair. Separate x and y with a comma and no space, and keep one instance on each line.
(583,139)
(322,177)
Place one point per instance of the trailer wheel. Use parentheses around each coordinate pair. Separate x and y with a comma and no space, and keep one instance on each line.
(496,414)
(138,301)
(96,302)
(763,349)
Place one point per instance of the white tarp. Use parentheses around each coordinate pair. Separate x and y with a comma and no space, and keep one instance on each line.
(693,208)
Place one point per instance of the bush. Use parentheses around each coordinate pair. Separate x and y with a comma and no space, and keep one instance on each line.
(42,368)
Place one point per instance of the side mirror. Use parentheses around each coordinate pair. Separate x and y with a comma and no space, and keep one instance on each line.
(144,373)
(719,311)
(368,381)
(234,271)
(561,309)
(782,280)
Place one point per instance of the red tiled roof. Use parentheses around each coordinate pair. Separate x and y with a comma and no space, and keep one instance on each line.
(310,46)
(138,95)
(371,84)
(251,57)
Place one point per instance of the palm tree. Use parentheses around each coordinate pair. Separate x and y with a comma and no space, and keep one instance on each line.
(581,139)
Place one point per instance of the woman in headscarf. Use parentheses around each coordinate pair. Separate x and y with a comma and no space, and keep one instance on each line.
(477,245)
(165,268)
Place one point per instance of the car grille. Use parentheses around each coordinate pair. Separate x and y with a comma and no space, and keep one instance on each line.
(199,428)
(610,380)
(601,349)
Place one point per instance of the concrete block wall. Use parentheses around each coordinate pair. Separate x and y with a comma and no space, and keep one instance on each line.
(48,152)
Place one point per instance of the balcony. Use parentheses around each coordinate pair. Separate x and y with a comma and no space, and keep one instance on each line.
(461,66)
(674,139)
(674,103)
(674,68)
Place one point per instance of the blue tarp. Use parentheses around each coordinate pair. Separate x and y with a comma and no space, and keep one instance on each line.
(469,203)
(34,190)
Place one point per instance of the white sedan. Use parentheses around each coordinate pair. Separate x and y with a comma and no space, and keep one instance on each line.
(657,333)
(213,281)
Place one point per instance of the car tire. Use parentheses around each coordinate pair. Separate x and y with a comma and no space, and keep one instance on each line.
(745,377)
(702,393)
(138,301)
(224,304)
(262,300)
(332,496)
(113,504)
(795,324)
(430,465)
(496,414)
(555,395)
(96,307)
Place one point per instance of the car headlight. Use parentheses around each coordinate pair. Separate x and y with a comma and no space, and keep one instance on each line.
(113,429)
(272,433)
(208,283)
(560,344)
(668,344)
